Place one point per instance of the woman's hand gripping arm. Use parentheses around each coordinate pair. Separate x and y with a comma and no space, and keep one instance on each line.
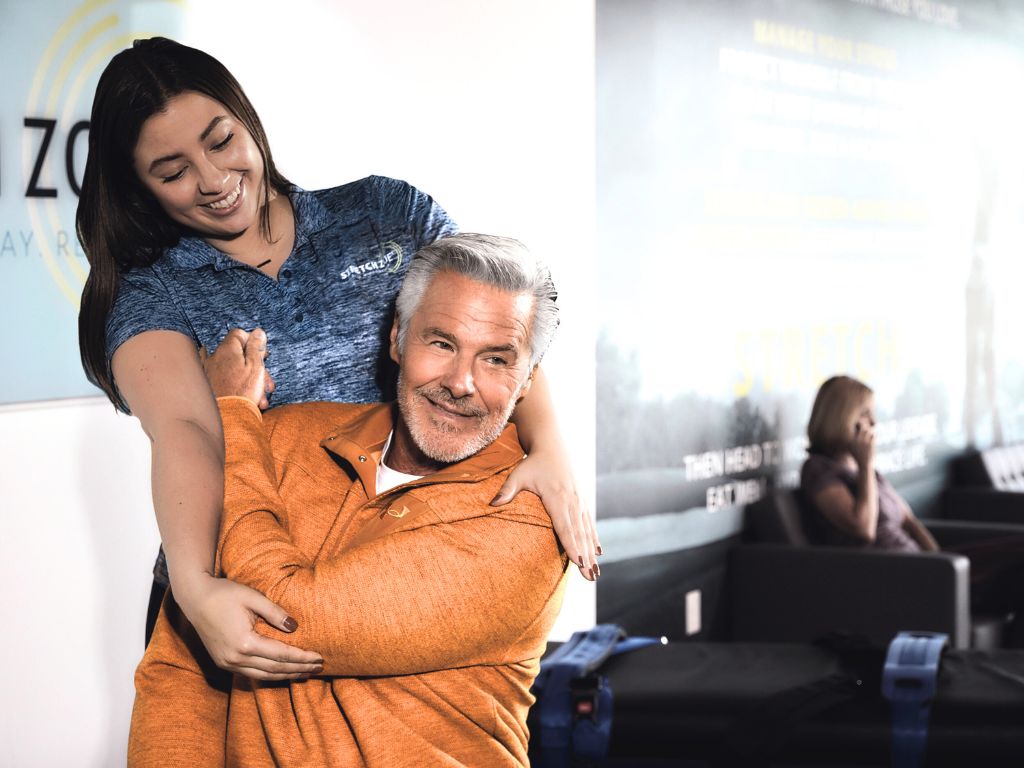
(160,376)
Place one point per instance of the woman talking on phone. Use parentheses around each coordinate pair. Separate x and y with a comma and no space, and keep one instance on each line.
(852,504)
(191,231)
(857,505)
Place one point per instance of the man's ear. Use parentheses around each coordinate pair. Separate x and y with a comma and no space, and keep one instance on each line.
(526,384)
(395,355)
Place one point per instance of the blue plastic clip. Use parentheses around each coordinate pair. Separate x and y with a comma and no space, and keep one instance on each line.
(575,700)
(908,682)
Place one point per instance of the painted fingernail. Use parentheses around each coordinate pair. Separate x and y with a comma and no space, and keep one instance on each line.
(597,571)
(290,624)
(318,670)
(582,565)
(599,550)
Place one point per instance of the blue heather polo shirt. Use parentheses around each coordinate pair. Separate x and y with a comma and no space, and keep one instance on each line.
(327,316)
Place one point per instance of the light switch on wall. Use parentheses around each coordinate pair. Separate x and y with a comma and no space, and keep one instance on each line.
(693,612)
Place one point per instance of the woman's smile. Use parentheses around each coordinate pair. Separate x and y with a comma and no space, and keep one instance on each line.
(230,203)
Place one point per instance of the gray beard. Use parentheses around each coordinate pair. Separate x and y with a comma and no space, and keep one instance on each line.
(421,434)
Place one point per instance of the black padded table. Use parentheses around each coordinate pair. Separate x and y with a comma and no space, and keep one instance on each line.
(748,704)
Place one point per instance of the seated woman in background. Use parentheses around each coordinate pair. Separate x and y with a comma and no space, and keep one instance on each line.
(848,503)
(859,507)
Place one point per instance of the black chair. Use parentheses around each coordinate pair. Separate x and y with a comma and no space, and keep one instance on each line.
(988,485)
(785,588)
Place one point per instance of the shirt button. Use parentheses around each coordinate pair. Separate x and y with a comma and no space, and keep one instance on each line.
(362,458)
(286,273)
(298,317)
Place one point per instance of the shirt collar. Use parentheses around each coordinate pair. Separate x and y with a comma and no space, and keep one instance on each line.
(388,478)
(310,214)
(360,439)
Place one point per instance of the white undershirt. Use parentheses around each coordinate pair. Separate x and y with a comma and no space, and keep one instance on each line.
(388,478)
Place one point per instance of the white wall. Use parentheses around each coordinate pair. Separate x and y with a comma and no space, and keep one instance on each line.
(486,106)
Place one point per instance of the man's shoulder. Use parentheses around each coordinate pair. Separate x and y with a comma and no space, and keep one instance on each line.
(476,480)
(312,422)
(455,501)
(327,413)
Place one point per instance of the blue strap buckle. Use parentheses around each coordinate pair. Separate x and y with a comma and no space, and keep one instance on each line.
(575,701)
(586,696)
(909,682)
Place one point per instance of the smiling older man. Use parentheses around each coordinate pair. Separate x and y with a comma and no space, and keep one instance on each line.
(372,526)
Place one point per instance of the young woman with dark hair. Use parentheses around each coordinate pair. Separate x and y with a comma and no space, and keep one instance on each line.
(121,224)
(190,231)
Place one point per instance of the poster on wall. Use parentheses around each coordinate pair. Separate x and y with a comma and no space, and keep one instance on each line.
(787,191)
(51,67)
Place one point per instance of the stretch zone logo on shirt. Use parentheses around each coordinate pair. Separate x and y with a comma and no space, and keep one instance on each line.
(390,260)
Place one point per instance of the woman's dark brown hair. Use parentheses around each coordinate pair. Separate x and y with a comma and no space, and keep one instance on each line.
(120,224)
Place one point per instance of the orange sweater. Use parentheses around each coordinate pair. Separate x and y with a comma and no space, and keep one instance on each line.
(430,607)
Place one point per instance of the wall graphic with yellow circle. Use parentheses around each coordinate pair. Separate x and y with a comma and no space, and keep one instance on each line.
(52,56)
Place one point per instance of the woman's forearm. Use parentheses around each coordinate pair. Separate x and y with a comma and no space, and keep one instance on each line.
(535,418)
(160,375)
(917,531)
(865,508)
(547,471)
(188,491)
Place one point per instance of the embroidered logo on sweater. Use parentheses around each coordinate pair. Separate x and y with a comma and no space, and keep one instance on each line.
(395,512)
(390,260)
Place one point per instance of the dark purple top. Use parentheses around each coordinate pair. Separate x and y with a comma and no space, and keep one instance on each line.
(818,473)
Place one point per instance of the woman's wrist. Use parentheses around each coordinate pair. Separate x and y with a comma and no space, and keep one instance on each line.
(552,453)
(187,586)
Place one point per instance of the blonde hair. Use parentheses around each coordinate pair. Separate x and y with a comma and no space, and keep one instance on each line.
(835,405)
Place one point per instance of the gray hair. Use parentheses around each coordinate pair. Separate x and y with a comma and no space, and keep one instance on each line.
(500,262)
